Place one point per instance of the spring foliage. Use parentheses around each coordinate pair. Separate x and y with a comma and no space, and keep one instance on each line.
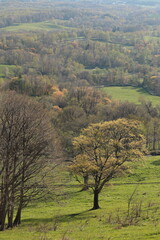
(104,150)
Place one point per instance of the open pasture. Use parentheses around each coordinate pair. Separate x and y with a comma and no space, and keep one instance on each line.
(131,94)
(67,215)
(39,26)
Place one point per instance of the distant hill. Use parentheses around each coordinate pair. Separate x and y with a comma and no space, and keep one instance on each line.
(123,2)
(134,2)
(142,2)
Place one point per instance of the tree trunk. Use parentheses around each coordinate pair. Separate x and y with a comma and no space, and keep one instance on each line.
(10,211)
(1,212)
(95,202)
(85,185)
(3,207)
(10,219)
(11,205)
(3,217)
(17,219)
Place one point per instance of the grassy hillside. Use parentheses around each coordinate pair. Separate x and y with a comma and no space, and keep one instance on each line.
(6,69)
(47,26)
(131,94)
(67,216)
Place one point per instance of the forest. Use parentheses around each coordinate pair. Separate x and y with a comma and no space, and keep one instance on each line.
(70,140)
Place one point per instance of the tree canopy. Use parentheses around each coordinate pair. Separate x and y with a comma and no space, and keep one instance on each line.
(104,150)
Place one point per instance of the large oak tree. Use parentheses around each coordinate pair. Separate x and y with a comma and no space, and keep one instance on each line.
(103,150)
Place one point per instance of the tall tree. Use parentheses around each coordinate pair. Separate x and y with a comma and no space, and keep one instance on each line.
(25,146)
(104,149)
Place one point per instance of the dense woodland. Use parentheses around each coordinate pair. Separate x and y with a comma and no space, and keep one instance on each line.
(55,58)
(81,45)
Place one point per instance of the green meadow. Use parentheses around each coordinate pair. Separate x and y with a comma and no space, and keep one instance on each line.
(46,25)
(131,94)
(6,69)
(67,215)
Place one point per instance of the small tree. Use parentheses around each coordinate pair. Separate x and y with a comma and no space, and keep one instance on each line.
(104,149)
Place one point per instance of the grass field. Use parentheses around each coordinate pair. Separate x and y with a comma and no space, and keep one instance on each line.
(45,26)
(68,217)
(131,94)
(4,69)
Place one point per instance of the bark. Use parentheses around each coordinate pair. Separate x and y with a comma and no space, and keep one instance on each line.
(3,214)
(4,202)
(11,200)
(3,217)
(96,200)
(17,219)
(10,218)
(85,185)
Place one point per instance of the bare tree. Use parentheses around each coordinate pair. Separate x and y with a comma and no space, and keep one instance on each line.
(25,147)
